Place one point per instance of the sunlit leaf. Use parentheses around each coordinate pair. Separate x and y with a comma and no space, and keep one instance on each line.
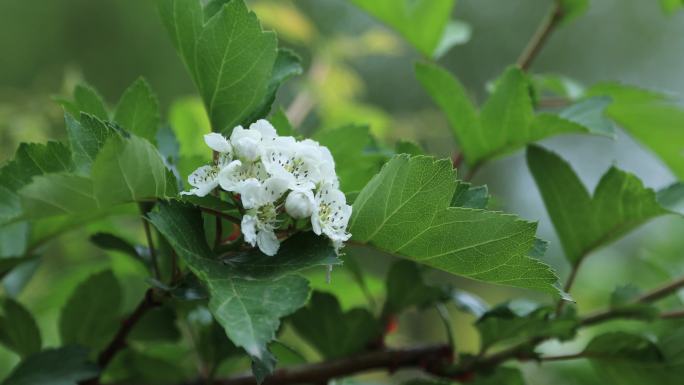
(405,210)
(584,223)
(138,110)
(422,22)
(506,121)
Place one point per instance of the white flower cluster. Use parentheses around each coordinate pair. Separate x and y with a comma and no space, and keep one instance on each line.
(275,174)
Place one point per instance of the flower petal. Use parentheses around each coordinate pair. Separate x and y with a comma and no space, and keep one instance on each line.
(268,242)
(218,142)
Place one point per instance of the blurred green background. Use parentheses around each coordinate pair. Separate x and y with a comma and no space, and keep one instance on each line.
(357,71)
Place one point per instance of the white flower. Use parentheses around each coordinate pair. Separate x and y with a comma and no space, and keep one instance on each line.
(297,163)
(331,215)
(218,143)
(234,174)
(246,143)
(326,163)
(265,128)
(203,180)
(300,204)
(259,223)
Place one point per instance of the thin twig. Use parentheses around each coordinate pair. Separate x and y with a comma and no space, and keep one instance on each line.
(430,358)
(119,341)
(662,291)
(673,314)
(540,36)
(651,296)
(563,357)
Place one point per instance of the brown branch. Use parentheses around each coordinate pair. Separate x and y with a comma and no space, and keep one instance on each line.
(430,358)
(563,357)
(651,296)
(119,341)
(540,36)
(662,291)
(672,314)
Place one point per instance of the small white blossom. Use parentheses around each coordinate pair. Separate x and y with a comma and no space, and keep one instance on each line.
(265,128)
(331,215)
(326,163)
(246,143)
(236,173)
(273,176)
(294,162)
(218,143)
(300,204)
(259,223)
(203,180)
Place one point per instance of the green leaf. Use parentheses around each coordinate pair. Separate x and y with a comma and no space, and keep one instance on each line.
(590,113)
(651,118)
(183,20)
(132,366)
(138,110)
(9,263)
(33,159)
(406,288)
(86,138)
(573,9)
(519,320)
(58,194)
(18,329)
(234,62)
(625,358)
(671,6)
(672,197)
(91,316)
(130,170)
(112,242)
(287,64)
(249,294)
(335,333)
(584,223)
(63,366)
(506,121)
(348,146)
(471,197)
(407,147)
(405,210)
(621,345)
(30,160)
(263,367)
(281,123)
(423,23)
(87,100)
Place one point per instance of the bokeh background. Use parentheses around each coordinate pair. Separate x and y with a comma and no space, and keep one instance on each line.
(356,71)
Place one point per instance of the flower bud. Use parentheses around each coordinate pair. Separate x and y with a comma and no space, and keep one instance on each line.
(299,204)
